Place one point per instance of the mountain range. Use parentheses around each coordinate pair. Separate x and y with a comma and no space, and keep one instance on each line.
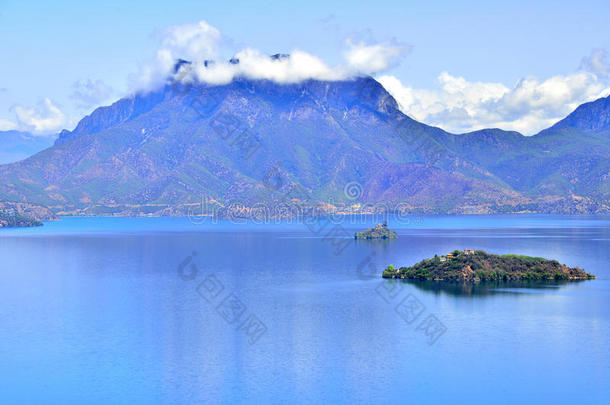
(339,143)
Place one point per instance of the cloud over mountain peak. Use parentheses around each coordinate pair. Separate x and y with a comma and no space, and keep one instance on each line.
(200,43)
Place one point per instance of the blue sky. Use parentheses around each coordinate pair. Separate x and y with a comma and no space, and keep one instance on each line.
(464,69)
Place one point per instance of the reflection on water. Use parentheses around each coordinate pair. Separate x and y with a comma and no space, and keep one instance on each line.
(485,288)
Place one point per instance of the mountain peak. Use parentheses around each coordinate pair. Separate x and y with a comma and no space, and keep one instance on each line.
(592,116)
(180,62)
(234,61)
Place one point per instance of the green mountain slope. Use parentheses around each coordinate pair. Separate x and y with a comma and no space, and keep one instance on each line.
(164,152)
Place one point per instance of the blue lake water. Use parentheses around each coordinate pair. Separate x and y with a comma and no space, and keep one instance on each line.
(162,310)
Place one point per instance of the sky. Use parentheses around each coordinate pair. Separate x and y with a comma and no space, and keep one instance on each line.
(513,64)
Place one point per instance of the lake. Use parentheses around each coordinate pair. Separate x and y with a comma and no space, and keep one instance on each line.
(172,310)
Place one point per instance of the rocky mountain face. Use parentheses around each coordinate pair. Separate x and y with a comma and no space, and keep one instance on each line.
(338,145)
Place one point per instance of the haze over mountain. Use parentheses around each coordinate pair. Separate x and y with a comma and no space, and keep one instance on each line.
(162,152)
(17,145)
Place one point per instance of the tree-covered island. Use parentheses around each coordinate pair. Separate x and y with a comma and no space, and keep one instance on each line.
(475,266)
(380,231)
(15,220)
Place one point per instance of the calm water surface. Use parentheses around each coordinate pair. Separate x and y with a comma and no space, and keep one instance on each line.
(161,310)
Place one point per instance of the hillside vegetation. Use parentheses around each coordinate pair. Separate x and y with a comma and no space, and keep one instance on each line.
(380,231)
(17,221)
(483,266)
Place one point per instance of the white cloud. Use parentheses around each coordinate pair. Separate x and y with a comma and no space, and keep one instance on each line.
(459,105)
(153,75)
(597,63)
(7,125)
(201,43)
(372,58)
(196,42)
(293,68)
(192,41)
(44,118)
(90,93)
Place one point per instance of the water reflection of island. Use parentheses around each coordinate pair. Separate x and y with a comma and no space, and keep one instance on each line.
(483,288)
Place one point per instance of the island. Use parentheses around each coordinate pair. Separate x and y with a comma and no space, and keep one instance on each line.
(475,266)
(380,231)
(17,221)
(18,214)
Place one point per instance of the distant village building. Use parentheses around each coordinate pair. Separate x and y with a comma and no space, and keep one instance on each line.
(451,255)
